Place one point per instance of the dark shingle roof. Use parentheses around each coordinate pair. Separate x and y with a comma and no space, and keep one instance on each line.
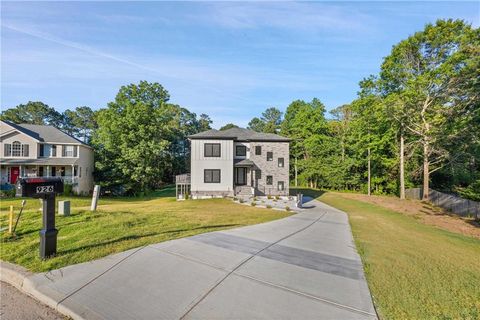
(239,134)
(44,133)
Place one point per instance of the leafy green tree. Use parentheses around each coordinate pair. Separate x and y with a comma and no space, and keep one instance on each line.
(256,124)
(204,122)
(138,137)
(228,126)
(423,71)
(33,112)
(269,122)
(80,122)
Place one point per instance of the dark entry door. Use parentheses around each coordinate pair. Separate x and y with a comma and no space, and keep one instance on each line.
(240,176)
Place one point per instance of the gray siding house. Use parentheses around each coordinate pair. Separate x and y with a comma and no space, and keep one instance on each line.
(237,161)
(28,150)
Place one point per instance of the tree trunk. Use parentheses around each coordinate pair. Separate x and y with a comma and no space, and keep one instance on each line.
(426,171)
(402,169)
(369,173)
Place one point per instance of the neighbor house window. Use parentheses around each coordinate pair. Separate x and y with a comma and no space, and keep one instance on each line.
(258,150)
(54,171)
(212,150)
(54,151)
(280,186)
(7,151)
(280,162)
(75,171)
(269,156)
(269,180)
(40,171)
(258,174)
(42,150)
(25,150)
(62,171)
(241,151)
(68,151)
(211,176)
(16,149)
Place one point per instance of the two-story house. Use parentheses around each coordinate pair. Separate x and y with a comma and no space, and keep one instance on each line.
(28,150)
(238,161)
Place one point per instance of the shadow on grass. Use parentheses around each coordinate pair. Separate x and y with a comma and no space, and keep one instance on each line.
(314,193)
(147,235)
(475,223)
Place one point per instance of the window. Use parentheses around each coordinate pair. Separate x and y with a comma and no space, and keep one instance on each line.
(8,150)
(258,174)
(269,156)
(62,171)
(280,162)
(75,171)
(211,176)
(68,151)
(241,151)
(280,186)
(16,149)
(258,150)
(269,180)
(42,150)
(75,151)
(80,172)
(212,150)
(40,171)
(25,150)
(54,171)
(54,151)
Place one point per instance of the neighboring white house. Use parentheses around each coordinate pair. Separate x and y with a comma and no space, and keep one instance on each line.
(28,150)
(237,161)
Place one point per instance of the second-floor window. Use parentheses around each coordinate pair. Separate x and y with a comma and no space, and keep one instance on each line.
(258,150)
(16,149)
(212,150)
(54,150)
(69,151)
(269,156)
(42,150)
(241,151)
(281,162)
(269,180)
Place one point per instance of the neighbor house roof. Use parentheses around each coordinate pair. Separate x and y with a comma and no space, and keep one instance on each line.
(41,161)
(239,134)
(47,134)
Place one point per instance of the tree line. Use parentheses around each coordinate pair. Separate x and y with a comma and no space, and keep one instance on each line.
(416,122)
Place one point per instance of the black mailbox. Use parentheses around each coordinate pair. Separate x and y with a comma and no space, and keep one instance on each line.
(38,187)
(46,189)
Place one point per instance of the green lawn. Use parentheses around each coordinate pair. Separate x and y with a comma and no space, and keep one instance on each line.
(120,224)
(414,271)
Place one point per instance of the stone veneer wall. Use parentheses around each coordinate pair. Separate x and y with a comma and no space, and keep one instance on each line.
(271,168)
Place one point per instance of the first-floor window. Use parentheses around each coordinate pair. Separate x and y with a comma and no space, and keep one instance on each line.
(258,174)
(269,180)
(280,186)
(40,171)
(62,171)
(269,156)
(211,175)
(54,171)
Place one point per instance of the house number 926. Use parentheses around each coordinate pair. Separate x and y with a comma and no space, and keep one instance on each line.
(44,189)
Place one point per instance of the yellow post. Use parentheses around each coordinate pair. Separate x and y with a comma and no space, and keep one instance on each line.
(10,220)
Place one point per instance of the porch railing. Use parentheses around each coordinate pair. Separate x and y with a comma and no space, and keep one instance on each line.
(183,178)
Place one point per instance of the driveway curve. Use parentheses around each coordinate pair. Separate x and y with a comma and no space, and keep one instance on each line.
(301,267)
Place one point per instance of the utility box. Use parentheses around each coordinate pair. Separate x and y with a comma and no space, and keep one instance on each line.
(64,208)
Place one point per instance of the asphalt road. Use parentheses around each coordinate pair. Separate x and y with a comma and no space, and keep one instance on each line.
(16,305)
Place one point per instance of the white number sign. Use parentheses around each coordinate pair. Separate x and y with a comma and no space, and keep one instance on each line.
(44,189)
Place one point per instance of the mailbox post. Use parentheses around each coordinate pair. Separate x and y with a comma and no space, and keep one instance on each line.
(45,189)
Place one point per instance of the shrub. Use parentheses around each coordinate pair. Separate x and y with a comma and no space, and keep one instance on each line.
(269,197)
(287,208)
(235,198)
(67,190)
(7,193)
(253,204)
(186,196)
(241,200)
(277,197)
(269,206)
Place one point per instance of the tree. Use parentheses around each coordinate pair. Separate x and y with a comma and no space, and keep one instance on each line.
(204,122)
(269,122)
(423,71)
(136,135)
(80,122)
(228,126)
(33,112)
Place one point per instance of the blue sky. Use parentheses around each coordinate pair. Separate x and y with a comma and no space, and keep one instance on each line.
(230,60)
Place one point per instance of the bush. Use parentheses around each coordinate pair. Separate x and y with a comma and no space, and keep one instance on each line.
(7,193)
(253,204)
(277,197)
(269,206)
(67,190)
(472,192)
(269,197)
(287,208)
(241,200)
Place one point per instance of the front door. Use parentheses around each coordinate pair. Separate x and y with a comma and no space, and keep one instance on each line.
(240,176)
(14,174)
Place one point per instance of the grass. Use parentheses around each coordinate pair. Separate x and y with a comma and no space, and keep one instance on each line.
(119,224)
(414,271)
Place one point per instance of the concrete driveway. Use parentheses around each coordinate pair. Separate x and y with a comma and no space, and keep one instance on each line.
(301,267)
